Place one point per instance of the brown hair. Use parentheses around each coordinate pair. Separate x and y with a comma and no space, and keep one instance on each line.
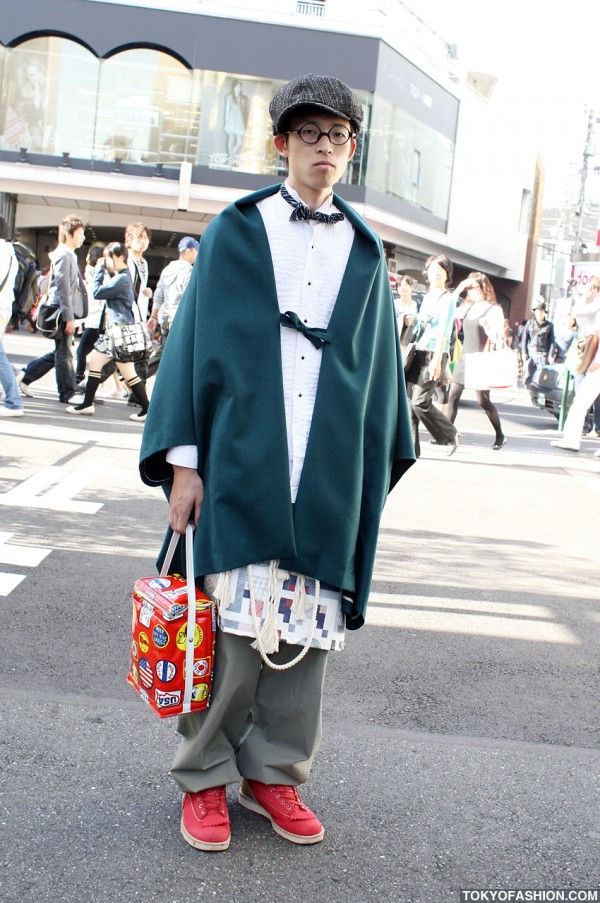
(134,230)
(483,283)
(69,226)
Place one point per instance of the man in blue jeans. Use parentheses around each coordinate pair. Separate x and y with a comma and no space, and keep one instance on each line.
(13,405)
(67,287)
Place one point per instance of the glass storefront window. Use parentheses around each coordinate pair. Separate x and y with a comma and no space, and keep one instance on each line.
(143,106)
(235,126)
(408,159)
(48,99)
(147,109)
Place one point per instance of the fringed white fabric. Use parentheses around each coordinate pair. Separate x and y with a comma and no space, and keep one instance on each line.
(300,598)
(267,637)
(222,591)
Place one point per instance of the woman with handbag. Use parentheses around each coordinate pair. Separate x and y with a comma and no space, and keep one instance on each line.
(586,395)
(482,322)
(430,369)
(117,294)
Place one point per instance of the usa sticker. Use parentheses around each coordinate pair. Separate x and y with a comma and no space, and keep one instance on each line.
(166,699)
(159,583)
(165,671)
(146,675)
(160,637)
(146,612)
(201,667)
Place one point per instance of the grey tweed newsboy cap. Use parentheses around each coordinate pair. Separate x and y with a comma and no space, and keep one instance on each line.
(323,91)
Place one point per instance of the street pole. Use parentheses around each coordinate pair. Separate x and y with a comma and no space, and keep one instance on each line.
(587,153)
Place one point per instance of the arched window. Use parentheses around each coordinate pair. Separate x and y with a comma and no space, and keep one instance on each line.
(48,97)
(147,111)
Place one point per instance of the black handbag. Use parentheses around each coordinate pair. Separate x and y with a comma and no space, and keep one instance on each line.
(49,319)
(129,342)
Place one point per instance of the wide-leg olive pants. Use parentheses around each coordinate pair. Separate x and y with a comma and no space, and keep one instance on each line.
(262,724)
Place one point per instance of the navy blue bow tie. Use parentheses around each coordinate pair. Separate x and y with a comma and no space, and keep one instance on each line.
(302,212)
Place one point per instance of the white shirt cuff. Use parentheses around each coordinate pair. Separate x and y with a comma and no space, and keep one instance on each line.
(183,456)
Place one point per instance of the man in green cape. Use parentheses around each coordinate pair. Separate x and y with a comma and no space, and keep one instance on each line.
(277,426)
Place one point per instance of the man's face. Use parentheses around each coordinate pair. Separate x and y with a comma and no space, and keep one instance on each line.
(139,242)
(76,240)
(191,254)
(318,166)
(540,314)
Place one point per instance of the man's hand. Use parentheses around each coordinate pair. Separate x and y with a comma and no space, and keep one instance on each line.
(185,502)
(69,327)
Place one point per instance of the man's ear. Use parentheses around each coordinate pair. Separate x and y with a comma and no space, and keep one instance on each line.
(280,142)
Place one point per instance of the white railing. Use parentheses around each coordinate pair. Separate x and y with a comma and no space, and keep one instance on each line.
(310,7)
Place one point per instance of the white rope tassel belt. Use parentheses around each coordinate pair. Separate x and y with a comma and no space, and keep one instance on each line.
(267,638)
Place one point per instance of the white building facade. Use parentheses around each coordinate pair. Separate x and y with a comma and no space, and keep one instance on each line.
(158,111)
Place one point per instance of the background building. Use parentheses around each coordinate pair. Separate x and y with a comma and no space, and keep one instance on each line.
(128,111)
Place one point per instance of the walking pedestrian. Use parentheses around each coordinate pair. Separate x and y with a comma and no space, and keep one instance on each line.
(66,286)
(482,321)
(245,380)
(117,294)
(12,405)
(430,368)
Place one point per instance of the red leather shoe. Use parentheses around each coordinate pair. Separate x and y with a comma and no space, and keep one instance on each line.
(282,805)
(205,819)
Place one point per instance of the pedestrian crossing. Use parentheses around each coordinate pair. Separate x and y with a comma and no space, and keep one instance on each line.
(17,556)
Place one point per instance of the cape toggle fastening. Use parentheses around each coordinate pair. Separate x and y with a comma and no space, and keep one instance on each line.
(317,337)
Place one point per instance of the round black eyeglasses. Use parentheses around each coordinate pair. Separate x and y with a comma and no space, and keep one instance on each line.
(337,134)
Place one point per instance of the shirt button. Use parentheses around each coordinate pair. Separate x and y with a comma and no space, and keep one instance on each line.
(310,283)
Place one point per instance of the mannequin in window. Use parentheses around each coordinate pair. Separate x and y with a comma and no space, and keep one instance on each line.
(236,118)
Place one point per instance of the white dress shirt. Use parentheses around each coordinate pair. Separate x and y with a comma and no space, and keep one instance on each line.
(309,261)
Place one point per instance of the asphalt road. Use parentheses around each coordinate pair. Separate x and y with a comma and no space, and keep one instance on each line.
(461,729)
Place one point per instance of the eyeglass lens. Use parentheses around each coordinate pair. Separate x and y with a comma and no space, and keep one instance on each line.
(337,134)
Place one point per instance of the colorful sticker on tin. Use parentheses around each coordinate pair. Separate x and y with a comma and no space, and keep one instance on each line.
(143,641)
(201,667)
(146,675)
(165,671)
(166,699)
(199,692)
(159,583)
(182,636)
(134,673)
(160,637)
(146,612)
(134,652)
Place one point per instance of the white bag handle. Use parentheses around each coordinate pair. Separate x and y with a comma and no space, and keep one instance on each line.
(191,612)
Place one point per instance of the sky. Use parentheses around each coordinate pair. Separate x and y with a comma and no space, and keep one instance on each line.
(546,56)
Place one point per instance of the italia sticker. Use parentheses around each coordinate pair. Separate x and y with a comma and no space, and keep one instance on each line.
(182,637)
(146,675)
(165,671)
(143,641)
(160,637)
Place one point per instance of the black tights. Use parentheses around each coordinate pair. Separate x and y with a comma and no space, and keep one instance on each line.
(484,401)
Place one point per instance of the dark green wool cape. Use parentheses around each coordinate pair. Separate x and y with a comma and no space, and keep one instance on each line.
(219,387)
